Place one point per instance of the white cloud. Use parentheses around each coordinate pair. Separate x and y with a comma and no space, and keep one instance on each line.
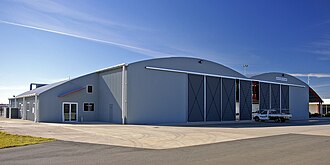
(52,7)
(149,52)
(54,17)
(321,86)
(321,47)
(317,75)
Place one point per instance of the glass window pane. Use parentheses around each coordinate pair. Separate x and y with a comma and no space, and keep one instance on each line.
(89,89)
(73,112)
(66,112)
(85,106)
(91,107)
(73,108)
(66,108)
(73,116)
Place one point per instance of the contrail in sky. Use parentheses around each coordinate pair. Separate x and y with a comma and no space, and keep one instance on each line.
(317,75)
(147,51)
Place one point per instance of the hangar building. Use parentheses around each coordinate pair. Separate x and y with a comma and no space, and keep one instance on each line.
(164,90)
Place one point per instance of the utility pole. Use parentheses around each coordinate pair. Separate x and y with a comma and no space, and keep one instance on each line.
(244,68)
(308,79)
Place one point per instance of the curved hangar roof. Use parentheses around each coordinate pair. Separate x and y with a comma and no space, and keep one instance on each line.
(290,80)
(280,78)
(188,65)
(200,67)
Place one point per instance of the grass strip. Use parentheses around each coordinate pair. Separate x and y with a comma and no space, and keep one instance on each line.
(9,140)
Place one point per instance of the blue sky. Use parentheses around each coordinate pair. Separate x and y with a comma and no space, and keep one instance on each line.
(48,41)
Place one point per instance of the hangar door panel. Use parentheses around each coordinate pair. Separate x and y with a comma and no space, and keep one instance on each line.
(228,100)
(264,96)
(275,96)
(245,100)
(213,99)
(195,98)
(285,98)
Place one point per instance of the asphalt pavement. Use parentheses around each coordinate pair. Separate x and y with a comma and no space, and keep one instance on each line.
(278,149)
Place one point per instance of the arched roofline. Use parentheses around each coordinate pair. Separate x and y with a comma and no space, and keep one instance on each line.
(188,58)
(279,74)
(313,96)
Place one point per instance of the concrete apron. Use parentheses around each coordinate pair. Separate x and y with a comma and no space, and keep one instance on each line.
(153,136)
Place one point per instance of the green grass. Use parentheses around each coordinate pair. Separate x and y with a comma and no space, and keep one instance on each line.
(9,140)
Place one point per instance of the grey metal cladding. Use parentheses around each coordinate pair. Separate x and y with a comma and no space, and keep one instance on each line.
(228,100)
(110,96)
(245,100)
(195,98)
(299,103)
(29,107)
(264,96)
(213,99)
(285,97)
(275,96)
(50,105)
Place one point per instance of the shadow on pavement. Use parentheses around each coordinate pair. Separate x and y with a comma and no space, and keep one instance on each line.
(253,124)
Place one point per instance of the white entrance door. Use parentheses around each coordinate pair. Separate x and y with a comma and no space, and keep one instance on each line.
(70,112)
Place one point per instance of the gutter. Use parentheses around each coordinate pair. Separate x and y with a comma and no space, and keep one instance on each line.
(19,97)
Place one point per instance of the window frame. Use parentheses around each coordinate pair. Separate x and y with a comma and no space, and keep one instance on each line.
(88,103)
(27,106)
(87,89)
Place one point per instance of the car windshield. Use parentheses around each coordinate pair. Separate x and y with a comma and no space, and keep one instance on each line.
(264,112)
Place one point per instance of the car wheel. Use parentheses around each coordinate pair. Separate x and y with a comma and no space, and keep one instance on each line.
(257,119)
(277,120)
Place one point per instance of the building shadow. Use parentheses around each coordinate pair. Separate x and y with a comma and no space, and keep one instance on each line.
(253,124)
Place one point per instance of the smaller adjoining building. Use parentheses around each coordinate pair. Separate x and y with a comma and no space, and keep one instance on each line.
(3,110)
(320,108)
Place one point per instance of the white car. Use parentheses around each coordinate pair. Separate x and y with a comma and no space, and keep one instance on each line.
(271,114)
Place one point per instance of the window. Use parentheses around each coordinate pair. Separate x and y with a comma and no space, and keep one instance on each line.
(33,107)
(324,109)
(264,112)
(89,89)
(88,106)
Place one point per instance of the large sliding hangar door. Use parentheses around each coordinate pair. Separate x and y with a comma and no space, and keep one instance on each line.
(264,100)
(284,98)
(274,96)
(245,99)
(213,99)
(228,99)
(195,98)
